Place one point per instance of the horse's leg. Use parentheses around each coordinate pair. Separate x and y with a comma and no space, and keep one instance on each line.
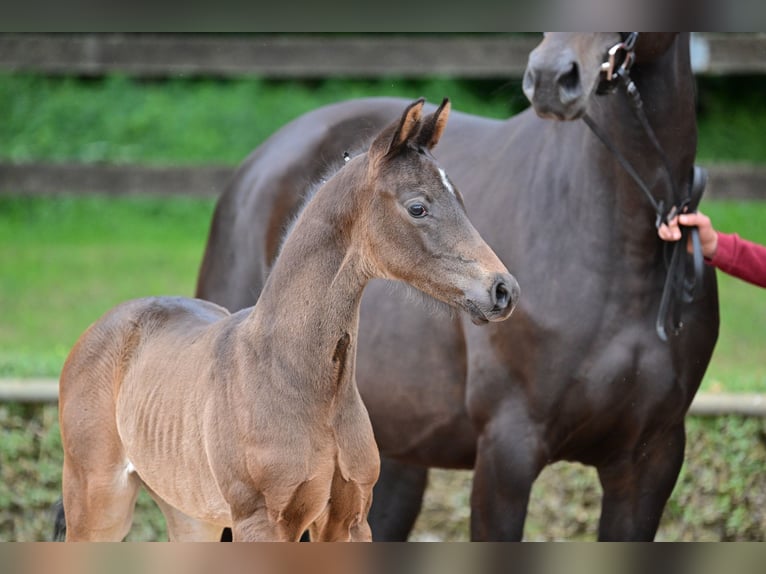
(98,501)
(184,528)
(507,464)
(637,486)
(397,499)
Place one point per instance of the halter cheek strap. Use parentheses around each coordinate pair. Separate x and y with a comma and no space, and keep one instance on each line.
(680,285)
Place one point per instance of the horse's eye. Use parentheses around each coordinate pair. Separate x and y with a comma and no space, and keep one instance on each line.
(417,210)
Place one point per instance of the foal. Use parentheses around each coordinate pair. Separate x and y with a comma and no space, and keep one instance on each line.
(253,420)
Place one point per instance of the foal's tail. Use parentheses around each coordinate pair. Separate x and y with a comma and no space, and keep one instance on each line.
(59,524)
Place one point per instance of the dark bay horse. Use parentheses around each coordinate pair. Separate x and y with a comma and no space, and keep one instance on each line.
(579,373)
(253,420)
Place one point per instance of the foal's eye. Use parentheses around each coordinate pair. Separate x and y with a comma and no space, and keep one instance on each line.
(417,210)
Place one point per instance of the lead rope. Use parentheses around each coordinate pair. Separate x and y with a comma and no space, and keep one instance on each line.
(677,286)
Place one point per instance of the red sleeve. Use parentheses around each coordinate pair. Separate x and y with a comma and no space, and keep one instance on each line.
(741,258)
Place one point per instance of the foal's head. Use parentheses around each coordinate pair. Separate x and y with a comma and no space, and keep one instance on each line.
(416,229)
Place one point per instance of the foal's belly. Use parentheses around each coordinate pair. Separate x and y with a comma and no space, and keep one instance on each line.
(171,460)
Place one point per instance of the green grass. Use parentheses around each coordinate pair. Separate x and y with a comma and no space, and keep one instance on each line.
(64,261)
(738,361)
(188,121)
(185,121)
(732,119)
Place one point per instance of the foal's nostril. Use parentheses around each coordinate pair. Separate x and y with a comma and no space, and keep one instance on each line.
(504,292)
(502,295)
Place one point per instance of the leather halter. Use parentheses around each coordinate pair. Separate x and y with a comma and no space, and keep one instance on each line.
(680,286)
(619,60)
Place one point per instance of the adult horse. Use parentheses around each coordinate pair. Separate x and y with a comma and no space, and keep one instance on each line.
(580,373)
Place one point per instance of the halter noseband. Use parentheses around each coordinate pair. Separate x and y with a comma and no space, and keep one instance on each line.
(615,71)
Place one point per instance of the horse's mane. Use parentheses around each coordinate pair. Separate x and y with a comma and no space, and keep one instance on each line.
(331,168)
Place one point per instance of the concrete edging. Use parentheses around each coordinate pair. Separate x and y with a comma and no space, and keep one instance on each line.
(45,390)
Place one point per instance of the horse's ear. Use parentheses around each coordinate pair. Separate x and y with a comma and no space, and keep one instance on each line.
(433,126)
(397,134)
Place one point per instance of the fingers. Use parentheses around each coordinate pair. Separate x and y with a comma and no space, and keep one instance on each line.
(708,235)
(671,231)
(699,219)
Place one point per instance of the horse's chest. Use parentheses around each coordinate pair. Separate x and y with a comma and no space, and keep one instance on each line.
(618,388)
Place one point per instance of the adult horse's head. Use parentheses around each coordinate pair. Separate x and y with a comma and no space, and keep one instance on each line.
(417,230)
(565,70)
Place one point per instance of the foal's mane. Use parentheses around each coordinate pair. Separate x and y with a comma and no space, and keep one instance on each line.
(332,167)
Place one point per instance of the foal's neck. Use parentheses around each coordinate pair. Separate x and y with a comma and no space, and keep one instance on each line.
(310,302)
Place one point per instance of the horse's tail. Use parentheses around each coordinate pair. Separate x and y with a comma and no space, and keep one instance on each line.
(59,524)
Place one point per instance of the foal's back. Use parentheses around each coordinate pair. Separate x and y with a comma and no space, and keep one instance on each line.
(117,349)
(114,340)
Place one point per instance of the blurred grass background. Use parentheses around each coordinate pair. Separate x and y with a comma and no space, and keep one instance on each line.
(65,260)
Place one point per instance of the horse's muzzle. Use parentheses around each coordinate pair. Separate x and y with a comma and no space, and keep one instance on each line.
(555,88)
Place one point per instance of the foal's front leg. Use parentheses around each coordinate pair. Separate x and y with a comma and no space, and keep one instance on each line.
(327,529)
(277,515)
(263,525)
(345,517)
(258,528)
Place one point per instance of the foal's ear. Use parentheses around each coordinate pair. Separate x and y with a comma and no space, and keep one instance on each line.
(397,134)
(433,126)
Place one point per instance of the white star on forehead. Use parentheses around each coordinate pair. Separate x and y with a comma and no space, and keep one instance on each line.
(446,182)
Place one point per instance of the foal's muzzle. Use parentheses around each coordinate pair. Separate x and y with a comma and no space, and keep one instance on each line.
(497,303)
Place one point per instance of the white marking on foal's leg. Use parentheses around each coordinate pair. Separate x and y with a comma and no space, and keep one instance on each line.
(129,469)
(446,181)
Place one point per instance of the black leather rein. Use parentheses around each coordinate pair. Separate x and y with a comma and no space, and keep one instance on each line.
(680,285)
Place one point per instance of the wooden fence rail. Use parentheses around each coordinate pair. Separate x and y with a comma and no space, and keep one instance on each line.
(317,55)
(271,55)
(725,181)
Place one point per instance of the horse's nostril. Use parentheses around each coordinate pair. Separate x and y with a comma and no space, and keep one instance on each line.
(528,83)
(569,83)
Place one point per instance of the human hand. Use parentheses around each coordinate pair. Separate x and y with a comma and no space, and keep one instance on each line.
(708,235)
